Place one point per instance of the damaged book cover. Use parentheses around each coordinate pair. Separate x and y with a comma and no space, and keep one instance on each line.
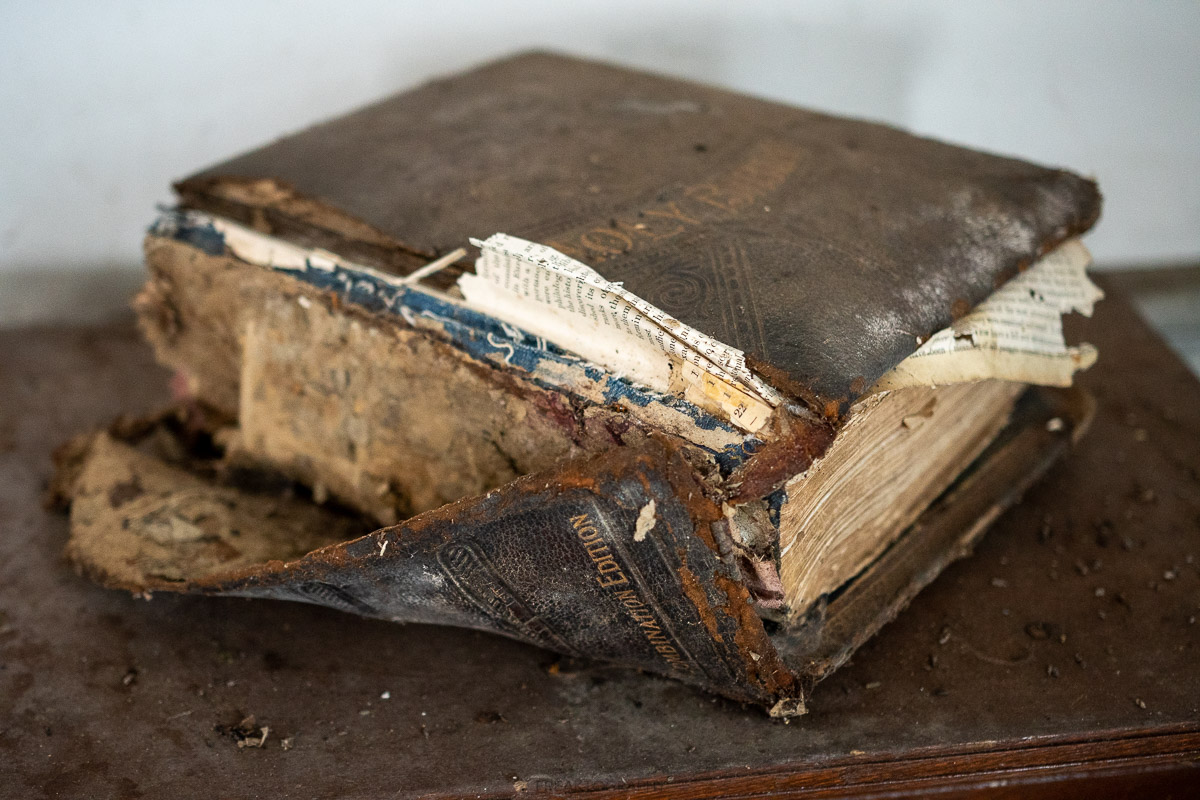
(715,413)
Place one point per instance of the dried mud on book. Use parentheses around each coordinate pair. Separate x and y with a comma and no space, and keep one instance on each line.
(626,367)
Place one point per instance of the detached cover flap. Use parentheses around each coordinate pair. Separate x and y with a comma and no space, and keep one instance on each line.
(613,558)
(822,247)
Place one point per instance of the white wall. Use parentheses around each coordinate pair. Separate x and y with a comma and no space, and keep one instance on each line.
(106,102)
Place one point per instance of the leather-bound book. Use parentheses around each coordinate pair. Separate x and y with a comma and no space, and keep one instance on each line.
(633,369)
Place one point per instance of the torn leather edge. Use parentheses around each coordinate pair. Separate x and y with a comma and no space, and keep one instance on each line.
(278,208)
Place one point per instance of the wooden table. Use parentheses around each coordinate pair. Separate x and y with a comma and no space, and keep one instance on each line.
(1061,659)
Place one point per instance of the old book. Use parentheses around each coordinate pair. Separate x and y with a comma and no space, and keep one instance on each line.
(626,367)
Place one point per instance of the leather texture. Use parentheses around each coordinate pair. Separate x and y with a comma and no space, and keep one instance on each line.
(823,247)
(556,561)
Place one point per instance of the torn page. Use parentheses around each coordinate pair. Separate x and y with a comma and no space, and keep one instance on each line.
(1016,334)
(567,302)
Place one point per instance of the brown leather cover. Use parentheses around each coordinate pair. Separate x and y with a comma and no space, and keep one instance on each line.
(823,247)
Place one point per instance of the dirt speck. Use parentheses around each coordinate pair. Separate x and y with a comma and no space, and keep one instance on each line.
(246,733)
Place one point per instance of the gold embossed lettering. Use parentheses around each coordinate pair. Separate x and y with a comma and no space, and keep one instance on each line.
(609,241)
(709,194)
(610,574)
(669,212)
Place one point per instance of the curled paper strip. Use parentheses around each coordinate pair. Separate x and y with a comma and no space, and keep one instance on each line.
(572,305)
(1016,334)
